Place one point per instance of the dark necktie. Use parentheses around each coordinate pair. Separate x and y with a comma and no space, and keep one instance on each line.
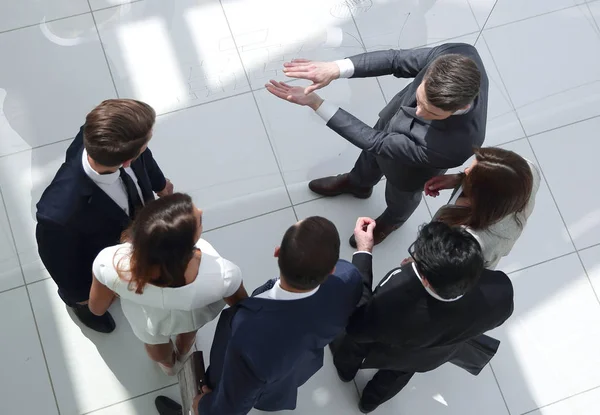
(133,197)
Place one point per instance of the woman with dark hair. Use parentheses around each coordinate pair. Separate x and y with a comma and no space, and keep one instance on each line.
(171,282)
(493,199)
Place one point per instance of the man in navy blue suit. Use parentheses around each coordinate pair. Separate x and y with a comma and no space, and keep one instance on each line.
(272,343)
(107,175)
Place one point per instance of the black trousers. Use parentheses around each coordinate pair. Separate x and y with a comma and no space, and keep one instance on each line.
(348,357)
(400,204)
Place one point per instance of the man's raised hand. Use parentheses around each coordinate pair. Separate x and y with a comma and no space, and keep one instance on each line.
(320,73)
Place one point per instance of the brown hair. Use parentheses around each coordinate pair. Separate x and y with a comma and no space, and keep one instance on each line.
(162,238)
(308,253)
(452,82)
(116,130)
(499,185)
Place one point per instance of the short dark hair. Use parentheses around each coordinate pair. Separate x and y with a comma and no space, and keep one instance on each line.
(452,82)
(449,258)
(308,253)
(116,130)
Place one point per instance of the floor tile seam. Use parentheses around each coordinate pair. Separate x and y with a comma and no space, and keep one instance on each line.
(562,9)
(274,153)
(561,400)
(110,72)
(68,16)
(30,305)
(596,294)
(129,399)
(500,388)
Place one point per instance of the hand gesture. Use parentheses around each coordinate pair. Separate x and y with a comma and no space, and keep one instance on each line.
(320,73)
(294,94)
(437,183)
(363,233)
(168,190)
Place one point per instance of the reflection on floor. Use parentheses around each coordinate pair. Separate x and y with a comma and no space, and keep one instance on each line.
(247,158)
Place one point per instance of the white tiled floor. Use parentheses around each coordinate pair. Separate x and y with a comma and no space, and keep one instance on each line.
(246,158)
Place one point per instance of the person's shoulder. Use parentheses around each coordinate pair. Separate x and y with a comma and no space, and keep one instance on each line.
(345,273)
(496,283)
(65,195)
(108,260)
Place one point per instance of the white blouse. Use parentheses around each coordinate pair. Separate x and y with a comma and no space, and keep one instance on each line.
(159,312)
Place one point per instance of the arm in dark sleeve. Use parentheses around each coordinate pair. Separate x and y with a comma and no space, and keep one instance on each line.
(402,63)
(238,390)
(60,250)
(393,145)
(157,178)
(364,262)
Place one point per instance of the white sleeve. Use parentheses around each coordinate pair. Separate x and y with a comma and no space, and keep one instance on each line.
(103,267)
(346,68)
(232,278)
(327,110)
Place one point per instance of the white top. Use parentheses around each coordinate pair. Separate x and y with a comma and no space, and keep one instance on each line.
(111,183)
(158,312)
(278,293)
(498,240)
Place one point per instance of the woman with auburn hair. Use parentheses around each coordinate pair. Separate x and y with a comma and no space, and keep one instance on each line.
(493,199)
(170,281)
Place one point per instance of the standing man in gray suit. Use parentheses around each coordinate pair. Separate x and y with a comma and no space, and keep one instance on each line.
(428,127)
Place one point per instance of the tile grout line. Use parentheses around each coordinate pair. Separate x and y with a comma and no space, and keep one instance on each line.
(562,400)
(477,22)
(36,147)
(37,329)
(500,389)
(112,78)
(129,399)
(596,22)
(533,17)
(27,26)
(259,112)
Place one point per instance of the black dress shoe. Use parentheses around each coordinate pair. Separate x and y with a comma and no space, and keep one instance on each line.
(101,324)
(337,185)
(382,230)
(167,406)
(366,408)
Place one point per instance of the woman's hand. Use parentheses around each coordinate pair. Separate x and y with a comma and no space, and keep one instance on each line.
(438,183)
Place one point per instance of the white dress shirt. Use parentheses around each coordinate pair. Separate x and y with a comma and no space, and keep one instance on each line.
(327,109)
(111,183)
(278,293)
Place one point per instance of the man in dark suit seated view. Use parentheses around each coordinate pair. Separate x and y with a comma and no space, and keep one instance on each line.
(428,127)
(273,342)
(107,175)
(421,313)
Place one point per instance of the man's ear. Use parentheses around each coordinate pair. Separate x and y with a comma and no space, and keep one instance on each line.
(332,271)
(128,163)
(276,253)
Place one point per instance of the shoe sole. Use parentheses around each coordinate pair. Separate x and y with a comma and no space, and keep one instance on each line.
(334,194)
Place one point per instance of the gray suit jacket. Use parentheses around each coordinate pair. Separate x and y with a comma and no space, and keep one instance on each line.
(410,150)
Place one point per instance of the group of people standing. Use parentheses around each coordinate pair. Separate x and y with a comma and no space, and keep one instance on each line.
(102,234)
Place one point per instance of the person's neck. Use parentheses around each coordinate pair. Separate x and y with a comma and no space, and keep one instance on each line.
(286,287)
(99,168)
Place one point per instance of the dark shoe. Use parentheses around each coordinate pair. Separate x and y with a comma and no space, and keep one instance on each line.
(382,230)
(344,377)
(102,324)
(337,185)
(366,408)
(167,406)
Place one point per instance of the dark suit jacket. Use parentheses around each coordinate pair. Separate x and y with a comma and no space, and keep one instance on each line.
(265,349)
(76,220)
(410,150)
(404,328)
